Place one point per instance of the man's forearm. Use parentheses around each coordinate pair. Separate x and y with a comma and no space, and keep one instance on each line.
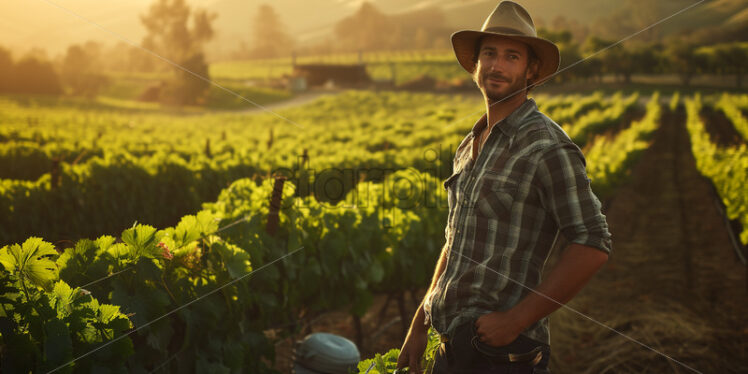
(420,317)
(576,267)
(440,265)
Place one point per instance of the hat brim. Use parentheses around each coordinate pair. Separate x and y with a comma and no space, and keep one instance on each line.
(463,43)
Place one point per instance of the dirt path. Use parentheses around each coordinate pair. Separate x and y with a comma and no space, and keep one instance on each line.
(673,282)
(297,100)
(720,129)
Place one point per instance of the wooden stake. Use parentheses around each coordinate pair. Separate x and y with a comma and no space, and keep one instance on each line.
(55,173)
(275,203)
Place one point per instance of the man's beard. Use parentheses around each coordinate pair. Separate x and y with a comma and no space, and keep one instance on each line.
(499,94)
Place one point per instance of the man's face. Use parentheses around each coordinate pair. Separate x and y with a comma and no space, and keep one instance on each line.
(502,68)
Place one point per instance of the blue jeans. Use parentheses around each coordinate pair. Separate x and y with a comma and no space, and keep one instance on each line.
(463,353)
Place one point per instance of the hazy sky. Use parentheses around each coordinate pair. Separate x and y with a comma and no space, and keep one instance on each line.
(54,24)
(40,23)
(43,23)
(25,24)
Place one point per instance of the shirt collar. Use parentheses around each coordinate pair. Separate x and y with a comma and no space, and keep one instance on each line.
(511,123)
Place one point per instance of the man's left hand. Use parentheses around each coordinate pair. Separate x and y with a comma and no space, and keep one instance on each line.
(498,328)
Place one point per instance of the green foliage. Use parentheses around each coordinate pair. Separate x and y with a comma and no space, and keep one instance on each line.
(383,363)
(387,363)
(732,106)
(596,121)
(153,168)
(42,330)
(726,167)
(609,160)
(31,262)
(575,107)
(218,98)
(154,273)
(142,240)
(236,260)
(674,102)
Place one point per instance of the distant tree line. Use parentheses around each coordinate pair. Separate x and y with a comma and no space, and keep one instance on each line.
(682,57)
(29,75)
(367,29)
(174,32)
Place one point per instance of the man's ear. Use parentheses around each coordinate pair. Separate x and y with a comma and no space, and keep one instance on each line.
(532,69)
(475,72)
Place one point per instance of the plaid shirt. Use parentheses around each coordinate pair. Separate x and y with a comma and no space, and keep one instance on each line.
(506,206)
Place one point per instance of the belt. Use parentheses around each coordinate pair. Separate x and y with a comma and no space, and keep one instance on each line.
(534,356)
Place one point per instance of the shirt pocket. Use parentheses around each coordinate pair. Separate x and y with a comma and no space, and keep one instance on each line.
(451,180)
(496,195)
(450,185)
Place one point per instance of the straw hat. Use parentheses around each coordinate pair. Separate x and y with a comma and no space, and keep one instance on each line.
(511,20)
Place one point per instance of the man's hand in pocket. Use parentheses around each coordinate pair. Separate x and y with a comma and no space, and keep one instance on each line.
(498,329)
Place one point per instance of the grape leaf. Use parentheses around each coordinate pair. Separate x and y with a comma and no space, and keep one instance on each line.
(187,231)
(62,298)
(143,240)
(236,259)
(58,346)
(208,221)
(34,261)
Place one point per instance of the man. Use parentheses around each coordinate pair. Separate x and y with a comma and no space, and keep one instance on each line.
(518,181)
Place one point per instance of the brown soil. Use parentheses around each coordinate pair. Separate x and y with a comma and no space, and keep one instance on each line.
(673,282)
(720,128)
(625,122)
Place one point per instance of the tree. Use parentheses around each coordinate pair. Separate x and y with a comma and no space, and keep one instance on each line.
(576,30)
(269,37)
(596,65)
(419,28)
(367,29)
(684,61)
(731,59)
(170,35)
(568,53)
(35,76)
(556,36)
(6,70)
(620,61)
(632,16)
(81,70)
(644,58)
(185,88)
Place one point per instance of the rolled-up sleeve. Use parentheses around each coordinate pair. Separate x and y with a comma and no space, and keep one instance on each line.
(567,196)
